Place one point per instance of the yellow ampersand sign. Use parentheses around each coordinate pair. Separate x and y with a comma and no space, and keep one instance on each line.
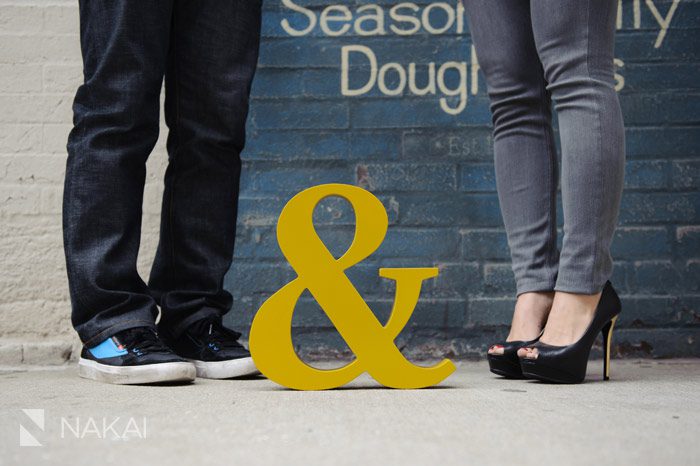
(323,275)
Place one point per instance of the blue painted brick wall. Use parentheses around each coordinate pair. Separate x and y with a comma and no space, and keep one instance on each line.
(433,171)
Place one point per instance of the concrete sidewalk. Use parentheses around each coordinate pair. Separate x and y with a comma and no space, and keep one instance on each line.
(649,413)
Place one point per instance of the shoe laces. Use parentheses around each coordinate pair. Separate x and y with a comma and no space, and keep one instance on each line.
(142,340)
(213,333)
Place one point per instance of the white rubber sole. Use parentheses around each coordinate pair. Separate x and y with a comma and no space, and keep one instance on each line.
(151,373)
(225,369)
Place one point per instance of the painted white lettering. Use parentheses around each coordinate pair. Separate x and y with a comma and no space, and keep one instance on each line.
(412,82)
(328,16)
(403,18)
(664,23)
(460,90)
(306,12)
(427,25)
(377,18)
(345,69)
(619,79)
(475,71)
(381,83)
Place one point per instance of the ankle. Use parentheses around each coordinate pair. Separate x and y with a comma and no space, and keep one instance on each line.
(573,302)
(534,307)
(530,315)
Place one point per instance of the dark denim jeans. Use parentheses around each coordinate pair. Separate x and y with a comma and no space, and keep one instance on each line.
(207,51)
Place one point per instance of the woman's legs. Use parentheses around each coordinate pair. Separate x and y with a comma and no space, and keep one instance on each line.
(575,41)
(525,156)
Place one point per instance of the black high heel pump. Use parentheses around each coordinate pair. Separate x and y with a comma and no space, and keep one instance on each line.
(567,364)
(507,364)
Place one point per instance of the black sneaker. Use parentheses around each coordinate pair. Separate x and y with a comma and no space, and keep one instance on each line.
(214,350)
(134,356)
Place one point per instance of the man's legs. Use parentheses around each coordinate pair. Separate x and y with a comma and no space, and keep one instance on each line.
(124,45)
(212,60)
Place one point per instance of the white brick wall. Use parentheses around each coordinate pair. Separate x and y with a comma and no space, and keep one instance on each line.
(40,70)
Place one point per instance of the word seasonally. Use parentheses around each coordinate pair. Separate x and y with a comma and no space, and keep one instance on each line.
(430,19)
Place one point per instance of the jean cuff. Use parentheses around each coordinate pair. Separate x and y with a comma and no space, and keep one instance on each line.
(580,288)
(116,328)
(532,287)
(177,329)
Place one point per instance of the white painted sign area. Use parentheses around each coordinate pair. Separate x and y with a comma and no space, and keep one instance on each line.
(451,81)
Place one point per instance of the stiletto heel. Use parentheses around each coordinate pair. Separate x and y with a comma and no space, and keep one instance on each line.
(607,338)
(567,364)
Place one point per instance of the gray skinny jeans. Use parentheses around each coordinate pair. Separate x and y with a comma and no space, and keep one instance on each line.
(533,52)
